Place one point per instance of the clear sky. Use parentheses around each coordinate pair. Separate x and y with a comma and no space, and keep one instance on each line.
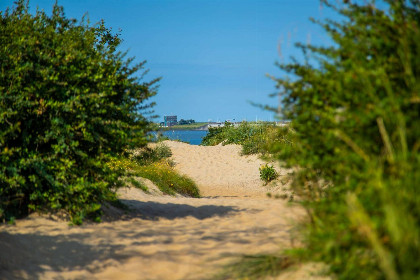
(213,55)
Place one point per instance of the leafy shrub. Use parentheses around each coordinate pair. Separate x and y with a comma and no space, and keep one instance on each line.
(356,119)
(69,102)
(268,173)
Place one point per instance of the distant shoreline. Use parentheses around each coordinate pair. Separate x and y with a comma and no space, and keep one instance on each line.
(199,126)
(205,125)
(182,129)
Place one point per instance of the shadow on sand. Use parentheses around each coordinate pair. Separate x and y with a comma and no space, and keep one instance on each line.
(151,210)
(30,255)
(27,256)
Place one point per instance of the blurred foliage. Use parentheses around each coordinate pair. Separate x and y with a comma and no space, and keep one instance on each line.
(355,111)
(69,102)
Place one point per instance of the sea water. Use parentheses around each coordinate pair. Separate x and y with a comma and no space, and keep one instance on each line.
(194,137)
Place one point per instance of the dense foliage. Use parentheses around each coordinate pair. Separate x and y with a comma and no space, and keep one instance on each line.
(69,101)
(355,110)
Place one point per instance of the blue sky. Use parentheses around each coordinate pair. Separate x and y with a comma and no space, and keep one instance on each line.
(213,56)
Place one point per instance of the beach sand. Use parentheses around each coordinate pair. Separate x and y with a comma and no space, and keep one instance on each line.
(163,237)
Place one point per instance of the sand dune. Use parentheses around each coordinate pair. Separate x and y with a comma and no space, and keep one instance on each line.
(163,237)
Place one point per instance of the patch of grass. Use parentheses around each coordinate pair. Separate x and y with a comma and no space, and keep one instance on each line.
(163,151)
(149,155)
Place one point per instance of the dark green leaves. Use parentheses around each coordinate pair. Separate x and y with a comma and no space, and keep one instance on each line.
(68,102)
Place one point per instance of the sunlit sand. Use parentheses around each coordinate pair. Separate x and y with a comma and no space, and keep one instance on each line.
(163,237)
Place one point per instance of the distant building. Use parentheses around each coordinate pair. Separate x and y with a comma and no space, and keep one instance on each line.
(170,120)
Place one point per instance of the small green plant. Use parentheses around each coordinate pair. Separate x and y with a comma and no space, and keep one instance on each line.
(12,221)
(268,173)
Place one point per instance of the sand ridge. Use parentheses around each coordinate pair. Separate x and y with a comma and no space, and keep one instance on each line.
(162,237)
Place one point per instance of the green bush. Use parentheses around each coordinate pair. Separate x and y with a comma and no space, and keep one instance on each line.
(68,103)
(355,111)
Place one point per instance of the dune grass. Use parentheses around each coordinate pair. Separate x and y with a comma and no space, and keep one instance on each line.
(255,138)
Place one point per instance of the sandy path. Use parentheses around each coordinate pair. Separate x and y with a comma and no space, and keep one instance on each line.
(163,237)
(220,171)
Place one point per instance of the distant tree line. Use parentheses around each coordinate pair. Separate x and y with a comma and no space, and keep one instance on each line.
(182,122)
